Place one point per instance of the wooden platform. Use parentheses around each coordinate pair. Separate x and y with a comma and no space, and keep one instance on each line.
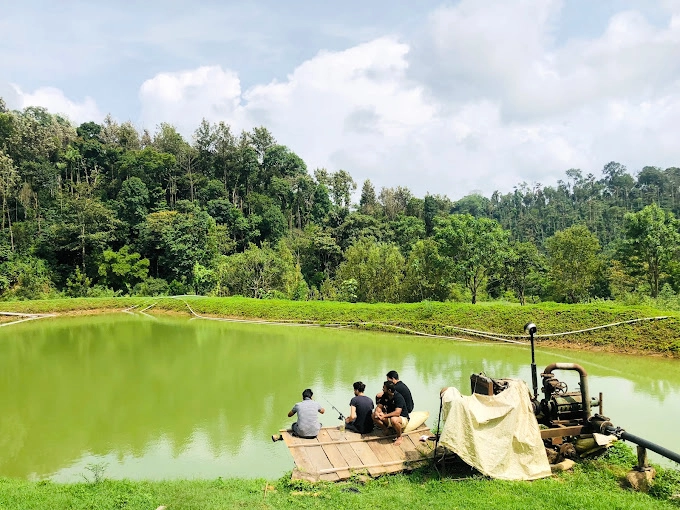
(337,455)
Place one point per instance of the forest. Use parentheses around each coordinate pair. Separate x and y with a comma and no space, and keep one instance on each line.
(104,210)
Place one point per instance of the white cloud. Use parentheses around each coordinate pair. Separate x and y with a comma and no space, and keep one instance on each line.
(484,97)
(506,51)
(56,102)
(184,98)
(345,107)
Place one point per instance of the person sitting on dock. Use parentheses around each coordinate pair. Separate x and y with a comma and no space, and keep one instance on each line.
(380,398)
(393,376)
(307,425)
(360,411)
(394,414)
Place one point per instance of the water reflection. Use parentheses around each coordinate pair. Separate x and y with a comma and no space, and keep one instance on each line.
(175,398)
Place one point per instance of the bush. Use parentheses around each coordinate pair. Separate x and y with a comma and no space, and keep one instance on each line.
(178,288)
(151,287)
(666,484)
(25,278)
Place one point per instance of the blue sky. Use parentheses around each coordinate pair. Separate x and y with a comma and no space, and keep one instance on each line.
(441,97)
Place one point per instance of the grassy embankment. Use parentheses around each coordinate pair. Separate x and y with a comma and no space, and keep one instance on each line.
(594,484)
(659,336)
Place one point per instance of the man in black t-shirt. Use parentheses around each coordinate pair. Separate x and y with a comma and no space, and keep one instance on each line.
(360,411)
(393,376)
(394,414)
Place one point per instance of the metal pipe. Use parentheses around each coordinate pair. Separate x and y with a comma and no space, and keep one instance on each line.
(534,378)
(530,327)
(585,392)
(622,434)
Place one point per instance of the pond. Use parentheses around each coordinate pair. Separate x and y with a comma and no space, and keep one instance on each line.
(132,396)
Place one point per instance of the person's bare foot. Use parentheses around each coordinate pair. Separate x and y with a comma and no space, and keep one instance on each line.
(398,441)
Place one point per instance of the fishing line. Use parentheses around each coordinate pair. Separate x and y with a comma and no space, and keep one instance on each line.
(341,417)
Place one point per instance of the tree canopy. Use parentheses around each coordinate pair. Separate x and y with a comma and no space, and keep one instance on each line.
(104,208)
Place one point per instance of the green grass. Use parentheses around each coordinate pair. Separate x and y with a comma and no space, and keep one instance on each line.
(591,485)
(661,336)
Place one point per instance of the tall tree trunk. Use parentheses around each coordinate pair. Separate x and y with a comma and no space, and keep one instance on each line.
(11,233)
(82,243)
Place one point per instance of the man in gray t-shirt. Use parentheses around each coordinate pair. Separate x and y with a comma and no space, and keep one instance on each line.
(307,425)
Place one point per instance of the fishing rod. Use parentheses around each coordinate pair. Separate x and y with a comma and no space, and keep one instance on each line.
(341,417)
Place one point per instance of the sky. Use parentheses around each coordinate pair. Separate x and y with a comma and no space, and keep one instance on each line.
(446,98)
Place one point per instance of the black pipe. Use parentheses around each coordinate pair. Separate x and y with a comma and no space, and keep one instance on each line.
(534,378)
(622,434)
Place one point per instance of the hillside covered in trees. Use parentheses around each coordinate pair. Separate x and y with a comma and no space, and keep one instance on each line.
(101,209)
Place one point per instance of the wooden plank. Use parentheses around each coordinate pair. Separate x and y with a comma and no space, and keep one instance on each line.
(366,466)
(561,432)
(345,449)
(411,450)
(320,461)
(368,458)
(388,454)
(334,455)
(304,464)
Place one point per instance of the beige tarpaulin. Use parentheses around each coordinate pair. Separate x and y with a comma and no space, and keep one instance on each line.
(496,434)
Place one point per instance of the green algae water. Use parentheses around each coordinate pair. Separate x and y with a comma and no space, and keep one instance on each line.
(138,397)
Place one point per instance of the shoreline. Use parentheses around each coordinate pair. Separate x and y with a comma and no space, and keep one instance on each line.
(446,321)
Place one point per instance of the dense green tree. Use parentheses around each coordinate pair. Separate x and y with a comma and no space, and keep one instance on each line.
(318,254)
(430,211)
(426,274)
(25,277)
(377,269)
(8,181)
(133,200)
(154,168)
(394,201)
(174,241)
(241,229)
(368,202)
(83,229)
(520,268)
(574,263)
(651,244)
(78,192)
(342,186)
(121,270)
(261,139)
(406,230)
(475,248)
(475,205)
(258,272)
(356,226)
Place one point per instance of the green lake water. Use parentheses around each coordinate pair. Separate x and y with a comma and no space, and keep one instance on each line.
(159,398)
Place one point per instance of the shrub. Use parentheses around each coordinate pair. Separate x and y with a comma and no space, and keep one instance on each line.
(151,287)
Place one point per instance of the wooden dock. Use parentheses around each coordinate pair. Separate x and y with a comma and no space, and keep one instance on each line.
(337,455)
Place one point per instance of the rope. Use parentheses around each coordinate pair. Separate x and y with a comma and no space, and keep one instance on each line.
(25,317)
(662,317)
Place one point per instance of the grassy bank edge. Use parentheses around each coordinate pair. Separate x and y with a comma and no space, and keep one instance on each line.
(660,337)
